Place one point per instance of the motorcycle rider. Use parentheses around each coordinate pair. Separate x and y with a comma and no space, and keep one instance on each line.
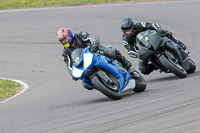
(71,41)
(130,30)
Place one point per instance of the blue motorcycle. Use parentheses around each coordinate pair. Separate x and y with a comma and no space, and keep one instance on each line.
(104,74)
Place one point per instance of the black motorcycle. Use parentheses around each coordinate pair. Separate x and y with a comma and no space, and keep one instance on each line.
(164,54)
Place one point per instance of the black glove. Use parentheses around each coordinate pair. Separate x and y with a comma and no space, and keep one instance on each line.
(133,54)
(162,33)
(93,47)
(168,34)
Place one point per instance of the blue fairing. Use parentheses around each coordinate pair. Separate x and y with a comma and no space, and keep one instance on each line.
(103,62)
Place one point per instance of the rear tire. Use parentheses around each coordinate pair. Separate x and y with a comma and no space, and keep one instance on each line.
(170,65)
(115,95)
(192,66)
(140,84)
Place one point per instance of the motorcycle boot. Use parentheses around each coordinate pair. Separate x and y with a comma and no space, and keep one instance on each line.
(116,55)
(86,86)
(146,68)
(126,64)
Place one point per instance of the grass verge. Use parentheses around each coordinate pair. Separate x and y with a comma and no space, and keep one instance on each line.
(8,88)
(13,4)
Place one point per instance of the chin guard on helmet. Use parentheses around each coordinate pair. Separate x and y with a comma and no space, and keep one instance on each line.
(67,45)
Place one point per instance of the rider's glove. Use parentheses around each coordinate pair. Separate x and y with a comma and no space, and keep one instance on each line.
(93,48)
(168,34)
(94,42)
(133,54)
(162,33)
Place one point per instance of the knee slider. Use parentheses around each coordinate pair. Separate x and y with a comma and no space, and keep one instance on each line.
(110,52)
(145,71)
(118,54)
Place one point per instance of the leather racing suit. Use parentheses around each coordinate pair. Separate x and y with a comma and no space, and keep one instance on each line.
(82,39)
(129,42)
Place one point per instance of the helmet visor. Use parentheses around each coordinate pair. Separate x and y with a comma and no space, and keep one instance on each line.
(65,41)
(128,31)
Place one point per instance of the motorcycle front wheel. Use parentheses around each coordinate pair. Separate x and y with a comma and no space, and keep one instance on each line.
(112,92)
(174,67)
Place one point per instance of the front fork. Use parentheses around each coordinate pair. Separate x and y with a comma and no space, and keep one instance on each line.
(180,53)
(173,47)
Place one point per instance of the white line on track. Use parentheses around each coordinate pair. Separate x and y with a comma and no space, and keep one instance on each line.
(25,87)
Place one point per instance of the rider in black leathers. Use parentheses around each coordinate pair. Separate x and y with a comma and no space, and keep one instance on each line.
(72,41)
(131,29)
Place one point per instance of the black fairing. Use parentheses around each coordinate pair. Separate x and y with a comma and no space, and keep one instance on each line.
(144,53)
(76,55)
(148,43)
(143,39)
(155,41)
(150,40)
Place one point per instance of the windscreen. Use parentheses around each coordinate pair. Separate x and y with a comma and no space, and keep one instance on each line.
(143,39)
(76,55)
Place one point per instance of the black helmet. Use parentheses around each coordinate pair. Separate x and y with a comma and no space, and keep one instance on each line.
(127,24)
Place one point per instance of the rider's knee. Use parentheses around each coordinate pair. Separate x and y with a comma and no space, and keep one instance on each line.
(110,52)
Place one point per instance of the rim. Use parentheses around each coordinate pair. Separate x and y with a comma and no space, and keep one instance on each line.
(175,63)
(113,87)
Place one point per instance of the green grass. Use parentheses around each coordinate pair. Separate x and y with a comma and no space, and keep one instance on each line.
(13,4)
(8,88)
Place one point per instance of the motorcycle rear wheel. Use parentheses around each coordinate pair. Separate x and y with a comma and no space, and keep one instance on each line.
(140,83)
(173,67)
(192,66)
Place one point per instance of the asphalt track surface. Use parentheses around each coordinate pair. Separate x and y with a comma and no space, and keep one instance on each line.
(55,103)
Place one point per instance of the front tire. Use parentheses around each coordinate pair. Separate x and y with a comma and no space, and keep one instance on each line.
(140,83)
(113,94)
(173,67)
